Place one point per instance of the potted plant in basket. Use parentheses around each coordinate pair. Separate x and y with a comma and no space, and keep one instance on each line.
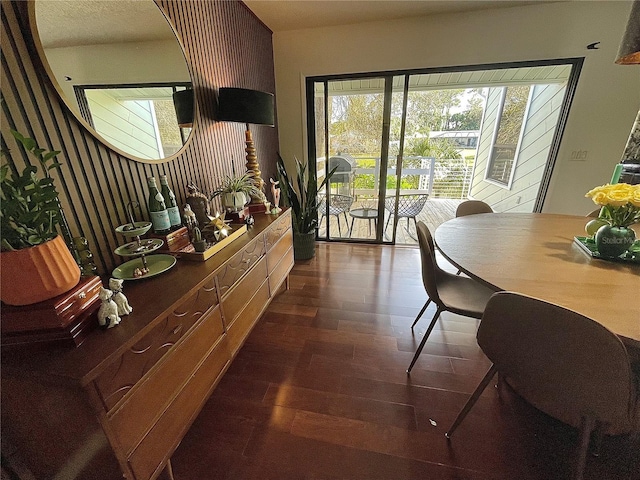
(303,200)
(35,262)
(236,191)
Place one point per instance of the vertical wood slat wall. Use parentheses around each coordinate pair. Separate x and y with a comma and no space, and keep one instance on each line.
(225,46)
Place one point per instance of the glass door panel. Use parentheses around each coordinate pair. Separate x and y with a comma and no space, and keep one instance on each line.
(354,121)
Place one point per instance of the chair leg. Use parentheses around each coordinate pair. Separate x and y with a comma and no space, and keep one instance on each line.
(387,224)
(596,443)
(339,230)
(424,339)
(586,427)
(472,400)
(420,314)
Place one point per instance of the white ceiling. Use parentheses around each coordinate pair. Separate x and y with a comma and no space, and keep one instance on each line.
(283,15)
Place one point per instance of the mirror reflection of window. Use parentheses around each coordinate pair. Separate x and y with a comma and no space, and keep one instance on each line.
(138,119)
(103,57)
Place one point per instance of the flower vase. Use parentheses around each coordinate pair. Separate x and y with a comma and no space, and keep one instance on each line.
(614,241)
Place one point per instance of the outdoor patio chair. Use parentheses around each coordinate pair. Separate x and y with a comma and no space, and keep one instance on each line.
(409,206)
(563,363)
(338,204)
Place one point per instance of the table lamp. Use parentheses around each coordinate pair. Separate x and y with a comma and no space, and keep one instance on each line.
(248,106)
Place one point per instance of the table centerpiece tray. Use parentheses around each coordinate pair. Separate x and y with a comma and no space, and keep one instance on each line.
(189,253)
(588,245)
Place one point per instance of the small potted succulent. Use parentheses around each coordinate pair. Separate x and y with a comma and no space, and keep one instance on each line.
(36,262)
(236,191)
(199,243)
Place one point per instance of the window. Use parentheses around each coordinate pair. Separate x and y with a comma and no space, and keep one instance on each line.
(508,134)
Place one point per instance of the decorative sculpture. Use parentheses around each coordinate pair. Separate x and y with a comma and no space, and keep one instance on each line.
(115,284)
(275,192)
(108,313)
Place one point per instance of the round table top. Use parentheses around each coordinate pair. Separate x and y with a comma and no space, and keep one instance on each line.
(535,254)
(364,212)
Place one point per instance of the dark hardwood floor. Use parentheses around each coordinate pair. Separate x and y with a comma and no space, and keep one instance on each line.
(319,391)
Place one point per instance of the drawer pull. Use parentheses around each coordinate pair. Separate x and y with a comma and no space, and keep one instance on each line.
(247,261)
(82,295)
(177,330)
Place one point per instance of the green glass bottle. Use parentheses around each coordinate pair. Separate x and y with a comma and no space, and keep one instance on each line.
(170,203)
(158,209)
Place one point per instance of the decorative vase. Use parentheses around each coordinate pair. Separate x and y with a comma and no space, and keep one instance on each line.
(304,245)
(614,241)
(35,274)
(234,201)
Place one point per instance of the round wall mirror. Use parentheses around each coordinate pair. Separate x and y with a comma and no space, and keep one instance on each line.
(116,65)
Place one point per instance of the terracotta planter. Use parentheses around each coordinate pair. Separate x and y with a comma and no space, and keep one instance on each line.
(35,274)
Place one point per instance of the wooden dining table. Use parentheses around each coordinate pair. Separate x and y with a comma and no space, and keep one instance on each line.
(535,254)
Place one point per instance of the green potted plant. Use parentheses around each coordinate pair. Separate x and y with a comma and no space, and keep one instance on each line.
(303,200)
(36,262)
(236,191)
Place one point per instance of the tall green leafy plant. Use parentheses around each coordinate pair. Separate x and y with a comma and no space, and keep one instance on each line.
(301,194)
(29,208)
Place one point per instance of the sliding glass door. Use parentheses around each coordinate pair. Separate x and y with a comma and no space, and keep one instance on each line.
(410,146)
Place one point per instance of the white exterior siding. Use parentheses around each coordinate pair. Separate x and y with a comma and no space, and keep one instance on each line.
(539,128)
(128,125)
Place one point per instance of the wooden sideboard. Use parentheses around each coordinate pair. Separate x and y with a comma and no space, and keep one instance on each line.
(120,403)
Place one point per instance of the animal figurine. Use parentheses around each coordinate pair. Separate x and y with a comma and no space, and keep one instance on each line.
(108,313)
(115,284)
(275,192)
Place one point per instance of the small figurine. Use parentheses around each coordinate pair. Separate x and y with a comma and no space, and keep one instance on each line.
(115,284)
(275,192)
(199,203)
(108,313)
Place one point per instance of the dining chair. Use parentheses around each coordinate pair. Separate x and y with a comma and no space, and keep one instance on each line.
(563,363)
(451,293)
(409,207)
(472,207)
(338,204)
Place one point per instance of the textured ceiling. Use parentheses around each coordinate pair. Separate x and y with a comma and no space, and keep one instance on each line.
(282,15)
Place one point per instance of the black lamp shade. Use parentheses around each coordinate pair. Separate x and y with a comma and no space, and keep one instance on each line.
(245,106)
(629,52)
(183,103)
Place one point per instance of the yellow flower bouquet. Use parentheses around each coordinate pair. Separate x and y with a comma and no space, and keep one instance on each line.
(620,203)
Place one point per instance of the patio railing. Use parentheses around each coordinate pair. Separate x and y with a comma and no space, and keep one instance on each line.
(440,178)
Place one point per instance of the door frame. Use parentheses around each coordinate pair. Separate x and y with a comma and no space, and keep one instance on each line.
(572,83)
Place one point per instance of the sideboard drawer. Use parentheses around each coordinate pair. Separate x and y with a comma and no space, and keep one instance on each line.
(150,456)
(242,325)
(239,264)
(136,415)
(279,250)
(123,374)
(238,297)
(277,229)
(280,271)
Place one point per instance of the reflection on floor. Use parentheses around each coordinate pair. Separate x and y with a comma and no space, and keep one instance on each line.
(319,391)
